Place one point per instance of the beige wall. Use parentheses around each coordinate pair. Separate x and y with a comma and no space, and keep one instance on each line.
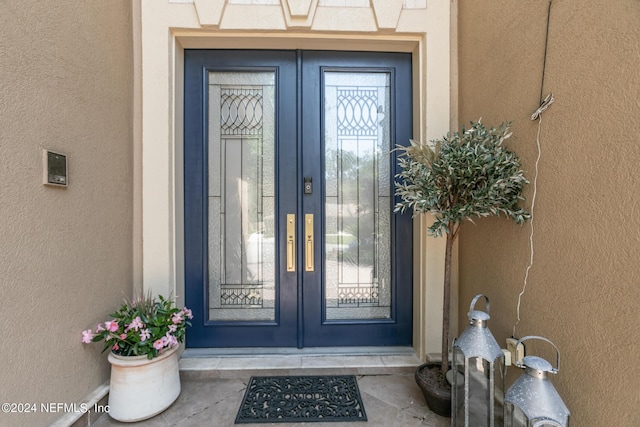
(65,85)
(583,289)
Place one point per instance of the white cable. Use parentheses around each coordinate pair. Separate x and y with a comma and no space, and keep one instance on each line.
(543,107)
(537,114)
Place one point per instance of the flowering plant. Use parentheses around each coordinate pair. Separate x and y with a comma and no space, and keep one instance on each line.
(143,326)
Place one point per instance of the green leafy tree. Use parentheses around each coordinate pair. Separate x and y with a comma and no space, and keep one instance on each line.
(460,177)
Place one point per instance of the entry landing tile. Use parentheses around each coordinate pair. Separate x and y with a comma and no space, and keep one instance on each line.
(198,365)
(390,401)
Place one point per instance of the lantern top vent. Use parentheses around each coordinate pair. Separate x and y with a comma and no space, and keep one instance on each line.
(478,318)
(538,367)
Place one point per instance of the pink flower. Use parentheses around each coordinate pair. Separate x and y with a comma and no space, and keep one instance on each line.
(145,334)
(187,312)
(172,341)
(123,336)
(99,328)
(135,324)
(158,344)
(111,326)
(87,336)
(173,328)
(115,347)
(177,318)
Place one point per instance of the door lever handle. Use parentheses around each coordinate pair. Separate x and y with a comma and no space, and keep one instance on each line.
(308,238)
(291,242)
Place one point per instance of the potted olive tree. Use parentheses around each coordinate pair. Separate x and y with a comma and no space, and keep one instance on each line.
(461,176)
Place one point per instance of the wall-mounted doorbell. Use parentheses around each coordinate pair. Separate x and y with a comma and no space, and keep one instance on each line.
(55,170)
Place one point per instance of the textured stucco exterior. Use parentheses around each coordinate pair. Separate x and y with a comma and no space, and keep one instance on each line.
(65,85)
(583,289)
(101,81)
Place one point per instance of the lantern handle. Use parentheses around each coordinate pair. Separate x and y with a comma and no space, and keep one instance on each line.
(523,339)
(475,300)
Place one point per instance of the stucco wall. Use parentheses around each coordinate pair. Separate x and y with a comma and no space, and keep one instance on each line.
(65,85)
(583,288)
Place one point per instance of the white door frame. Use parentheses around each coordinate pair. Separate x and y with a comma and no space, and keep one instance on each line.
(162,30)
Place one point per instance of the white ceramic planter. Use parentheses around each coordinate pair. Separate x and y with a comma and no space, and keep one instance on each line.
(141,388)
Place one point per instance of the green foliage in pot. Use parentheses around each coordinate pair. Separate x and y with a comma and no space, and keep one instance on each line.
(462,176)
(146,326)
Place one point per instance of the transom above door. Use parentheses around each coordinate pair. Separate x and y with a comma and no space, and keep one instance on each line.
(290,236)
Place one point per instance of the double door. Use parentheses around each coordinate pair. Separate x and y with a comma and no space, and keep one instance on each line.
(290,235)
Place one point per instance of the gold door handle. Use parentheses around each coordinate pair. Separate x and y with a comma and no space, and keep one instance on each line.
(291,242)
(308,238)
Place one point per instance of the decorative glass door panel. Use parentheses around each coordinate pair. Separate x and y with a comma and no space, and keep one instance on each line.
(357,195)
(356,108)
(241,196)
(290,240)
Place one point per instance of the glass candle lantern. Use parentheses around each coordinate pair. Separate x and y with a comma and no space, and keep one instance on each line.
(478,373)
(532,401)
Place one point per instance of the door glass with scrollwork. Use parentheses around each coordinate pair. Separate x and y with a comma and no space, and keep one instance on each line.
(241,196)
(358,195)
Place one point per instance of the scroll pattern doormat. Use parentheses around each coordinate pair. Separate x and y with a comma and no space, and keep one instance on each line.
(301,399)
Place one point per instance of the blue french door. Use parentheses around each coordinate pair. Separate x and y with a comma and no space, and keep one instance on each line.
(290,236)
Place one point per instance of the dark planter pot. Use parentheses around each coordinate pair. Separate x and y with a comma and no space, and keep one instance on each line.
(436,389)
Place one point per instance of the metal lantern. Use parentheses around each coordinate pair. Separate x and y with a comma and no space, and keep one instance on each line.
(532,401)
(478,373)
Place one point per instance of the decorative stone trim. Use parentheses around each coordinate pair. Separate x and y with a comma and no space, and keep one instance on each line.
(300,8)
(300,13)
(344,3)
(323,15)
(387,13)
(210,11)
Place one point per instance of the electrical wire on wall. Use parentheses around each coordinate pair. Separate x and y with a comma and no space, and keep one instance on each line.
(536,115)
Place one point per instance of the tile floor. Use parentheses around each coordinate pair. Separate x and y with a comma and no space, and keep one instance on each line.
(213,387)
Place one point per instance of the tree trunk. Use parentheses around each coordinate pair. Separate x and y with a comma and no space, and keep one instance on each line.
(446,309)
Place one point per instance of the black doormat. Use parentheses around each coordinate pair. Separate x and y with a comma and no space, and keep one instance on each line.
(301,399)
